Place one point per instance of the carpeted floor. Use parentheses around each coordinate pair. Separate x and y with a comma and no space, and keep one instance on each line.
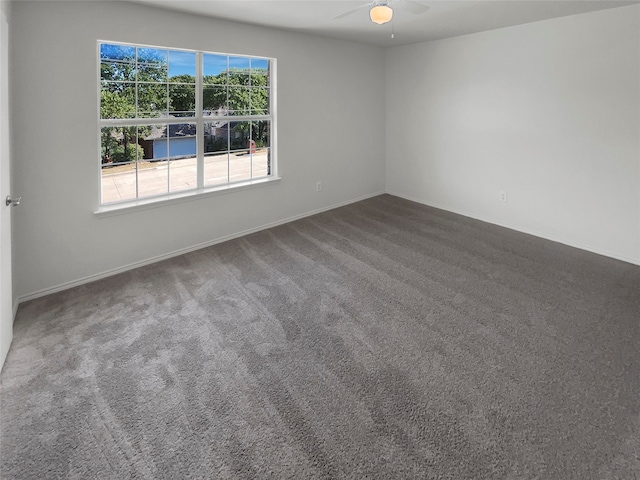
(385,339)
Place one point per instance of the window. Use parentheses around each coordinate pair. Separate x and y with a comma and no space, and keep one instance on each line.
(178,120)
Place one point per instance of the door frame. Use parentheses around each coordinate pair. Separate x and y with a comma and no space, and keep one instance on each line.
(6,277)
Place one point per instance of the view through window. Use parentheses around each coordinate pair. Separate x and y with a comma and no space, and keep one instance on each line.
(177,120)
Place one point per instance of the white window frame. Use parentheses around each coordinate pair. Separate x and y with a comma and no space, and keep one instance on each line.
(153,201)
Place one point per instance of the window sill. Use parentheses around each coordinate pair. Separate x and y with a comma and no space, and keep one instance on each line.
(178,197)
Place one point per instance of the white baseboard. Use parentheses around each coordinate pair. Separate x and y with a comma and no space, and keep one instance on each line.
(517,229)
(182,251)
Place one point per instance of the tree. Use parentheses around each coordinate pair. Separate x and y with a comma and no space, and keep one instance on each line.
(119,67)
(260,133)
(114,105)
(135,84)
(182,93)
(245,93)
(119,144)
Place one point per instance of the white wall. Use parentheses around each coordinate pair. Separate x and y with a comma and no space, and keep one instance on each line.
(328,130)
(6,297)
(548,111)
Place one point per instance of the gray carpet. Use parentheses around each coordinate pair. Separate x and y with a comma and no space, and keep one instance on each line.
(384,339)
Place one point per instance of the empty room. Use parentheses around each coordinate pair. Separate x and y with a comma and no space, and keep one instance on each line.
(320,239)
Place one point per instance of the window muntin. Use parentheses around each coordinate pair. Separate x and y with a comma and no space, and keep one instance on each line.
(176,120)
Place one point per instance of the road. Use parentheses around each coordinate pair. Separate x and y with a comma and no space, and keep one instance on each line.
(179,175)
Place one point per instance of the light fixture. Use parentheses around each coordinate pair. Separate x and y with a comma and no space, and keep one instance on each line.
(381,14)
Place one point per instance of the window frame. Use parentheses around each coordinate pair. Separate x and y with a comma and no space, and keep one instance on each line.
(199,120)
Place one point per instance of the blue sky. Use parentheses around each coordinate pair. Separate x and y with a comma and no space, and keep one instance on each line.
(181,62)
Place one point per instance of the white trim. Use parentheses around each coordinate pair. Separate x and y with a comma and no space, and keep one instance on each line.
(199,126)
(528,232)
(182,251)
(144,121)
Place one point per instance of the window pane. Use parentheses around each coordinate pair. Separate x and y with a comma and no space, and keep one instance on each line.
(109,51)
(239,65)
(151,73)
(183,174)
(216,168)
(120,152)
(239,100)
(260,163)
(258,79)
(152,100)
(182,140)
(117,185)
(154,142)
(117,100)
(261,153)
(182,100)
(152,55)
(261,133)
(214,69)
(152,65)
(118,145)
(239,69)
(153,175)
(259,64)
(239,135)
(240,157)
(182,66)
(239,166)
(259,72)
(111,146)
(239,78)
(214,100)
(216,137)
(117,71)
(259,101)
(153,179)
(182,150)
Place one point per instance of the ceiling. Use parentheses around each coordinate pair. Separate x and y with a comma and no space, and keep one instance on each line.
(445,18)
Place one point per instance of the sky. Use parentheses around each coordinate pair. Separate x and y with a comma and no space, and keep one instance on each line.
(181,62)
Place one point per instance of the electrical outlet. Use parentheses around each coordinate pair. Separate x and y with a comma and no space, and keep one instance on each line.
(318,186)
(503,196)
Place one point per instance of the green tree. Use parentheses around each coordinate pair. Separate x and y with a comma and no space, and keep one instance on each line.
(245,93)
(260,133)
(240,134)
(117,71)
(115,105)
(119,144)
(120,67)
(182,93)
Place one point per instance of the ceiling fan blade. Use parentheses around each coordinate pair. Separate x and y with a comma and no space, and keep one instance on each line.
(414,7)
(353,10)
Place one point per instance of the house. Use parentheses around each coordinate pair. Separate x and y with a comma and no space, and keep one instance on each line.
(181,137)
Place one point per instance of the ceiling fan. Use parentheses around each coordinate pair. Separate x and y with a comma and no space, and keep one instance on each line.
(381,11)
